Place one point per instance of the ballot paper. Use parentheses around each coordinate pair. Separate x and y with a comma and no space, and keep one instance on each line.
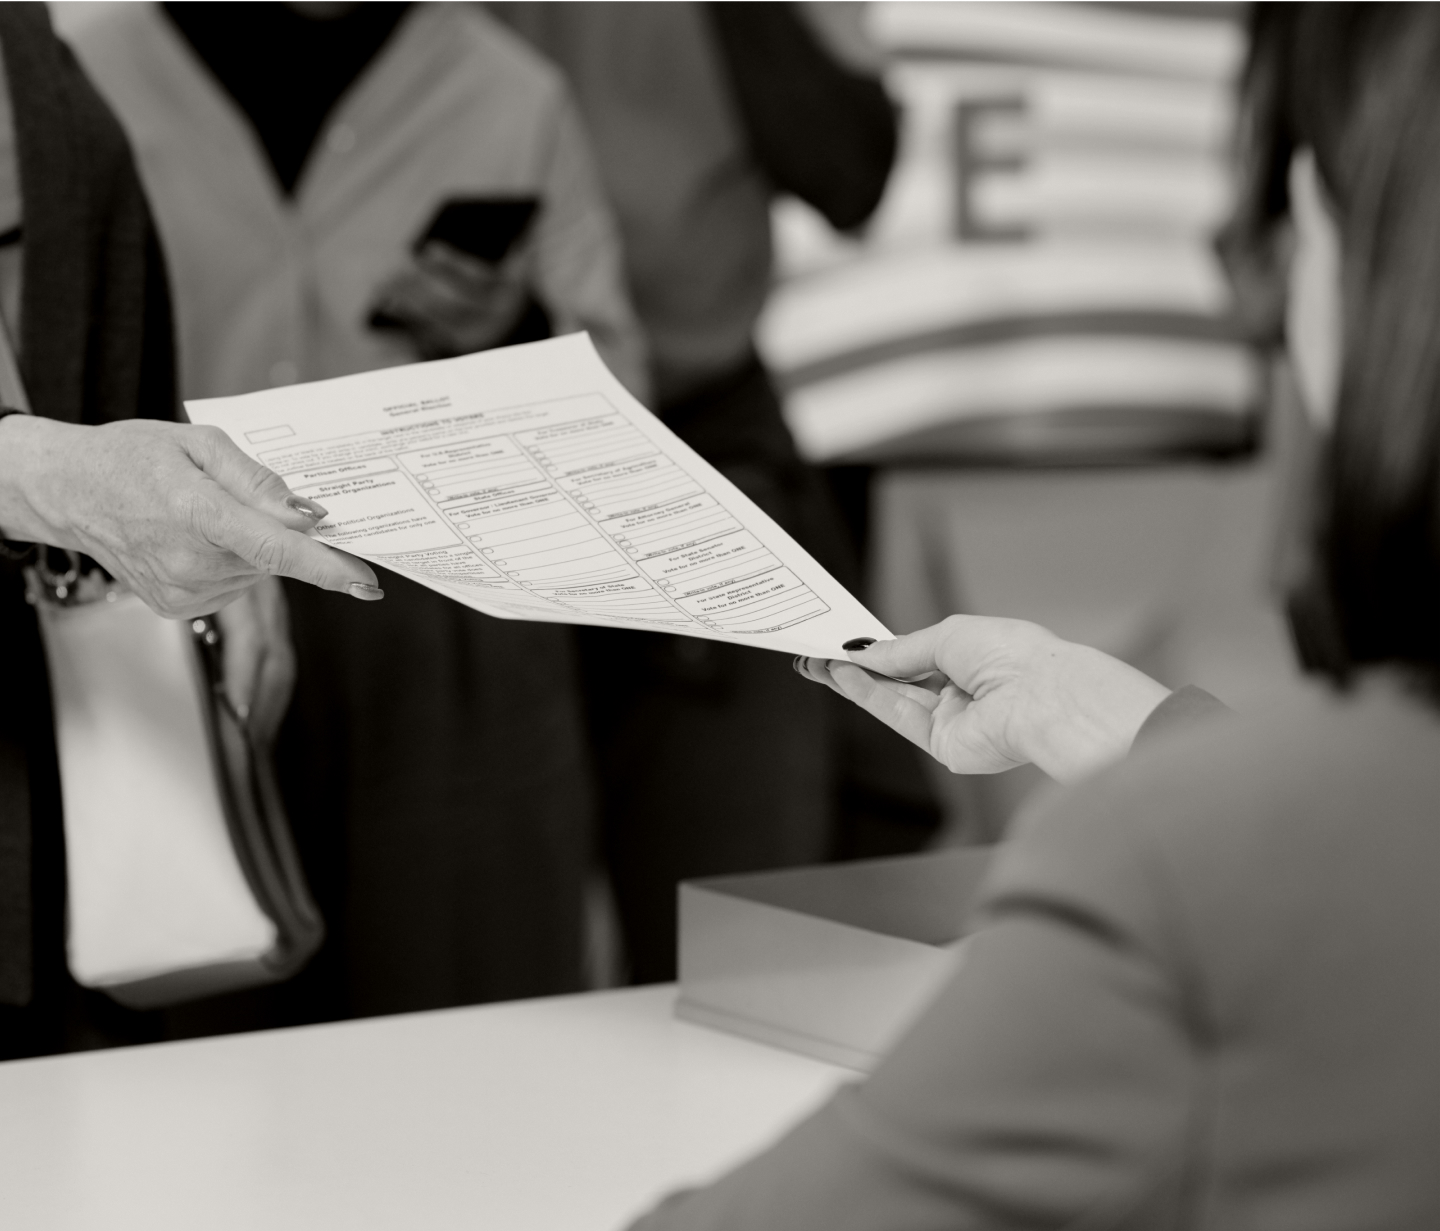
(528,484)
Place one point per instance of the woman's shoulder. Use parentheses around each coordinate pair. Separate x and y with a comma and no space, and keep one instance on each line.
(1221,844)
(1310,754)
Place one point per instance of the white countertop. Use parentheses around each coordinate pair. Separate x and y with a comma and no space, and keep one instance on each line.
(565,1114)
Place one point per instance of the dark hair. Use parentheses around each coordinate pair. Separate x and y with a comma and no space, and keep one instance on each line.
(1359,84)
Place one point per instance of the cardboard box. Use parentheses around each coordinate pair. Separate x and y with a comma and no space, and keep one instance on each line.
(832,961)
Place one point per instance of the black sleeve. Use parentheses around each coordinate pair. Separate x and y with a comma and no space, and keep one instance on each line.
(820,131)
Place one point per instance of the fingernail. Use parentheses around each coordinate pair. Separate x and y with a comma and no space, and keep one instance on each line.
(307,508)
(858,643)
(795,665)
(368,593)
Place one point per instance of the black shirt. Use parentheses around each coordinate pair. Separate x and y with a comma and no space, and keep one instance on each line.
(286,71)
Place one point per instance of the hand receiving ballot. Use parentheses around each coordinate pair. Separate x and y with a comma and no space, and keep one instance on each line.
(983,695)
(528,484)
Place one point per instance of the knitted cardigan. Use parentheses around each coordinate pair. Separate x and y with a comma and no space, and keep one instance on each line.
(95,345)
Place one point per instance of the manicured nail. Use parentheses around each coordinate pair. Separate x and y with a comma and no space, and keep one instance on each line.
(307,508)
(858,643)
(369,593)
(795,665)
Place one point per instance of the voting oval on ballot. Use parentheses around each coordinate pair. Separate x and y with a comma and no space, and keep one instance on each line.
(527,483)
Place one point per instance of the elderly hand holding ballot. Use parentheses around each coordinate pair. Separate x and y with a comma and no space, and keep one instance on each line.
(188,522)
(175,511)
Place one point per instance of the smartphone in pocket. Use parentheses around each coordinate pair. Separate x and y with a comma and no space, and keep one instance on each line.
(486,228)
(483,227)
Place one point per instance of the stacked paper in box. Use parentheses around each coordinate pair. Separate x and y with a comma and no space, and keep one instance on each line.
(1040,278)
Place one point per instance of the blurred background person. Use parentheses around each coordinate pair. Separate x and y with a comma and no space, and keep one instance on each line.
(341,187)
(1037,348)
(177,513)
(711,758)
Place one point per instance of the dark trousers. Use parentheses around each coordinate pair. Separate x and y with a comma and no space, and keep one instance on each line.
(715,758)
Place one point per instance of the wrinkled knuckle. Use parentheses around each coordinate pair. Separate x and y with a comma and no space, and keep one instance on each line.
(265,480)
(269,553)
(196,441)
(192,513)
(209,436)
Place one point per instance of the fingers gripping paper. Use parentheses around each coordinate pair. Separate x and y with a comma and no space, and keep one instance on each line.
(528,484)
